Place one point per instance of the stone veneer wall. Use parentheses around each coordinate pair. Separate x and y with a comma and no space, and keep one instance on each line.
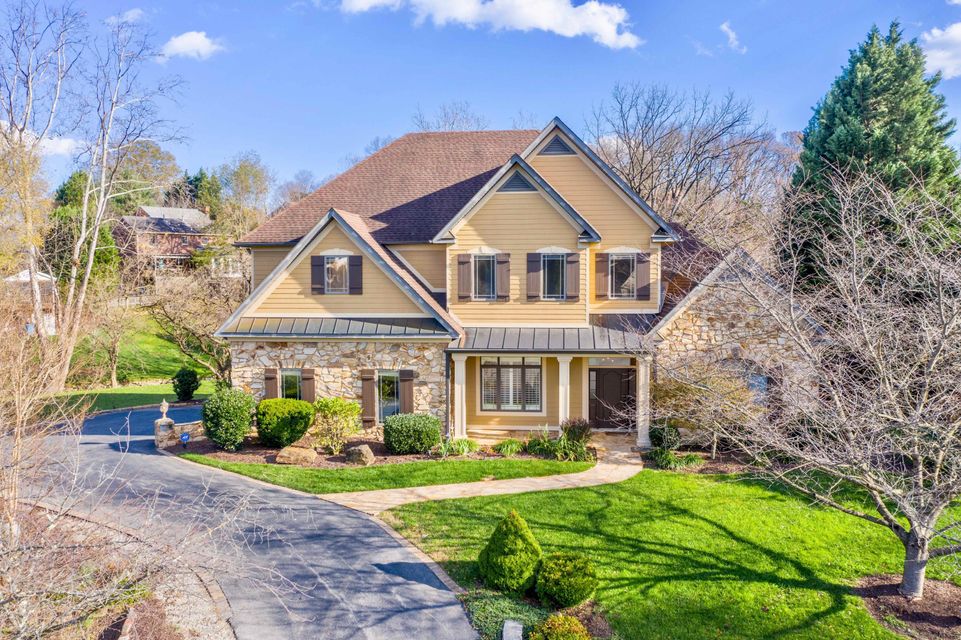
(337,367)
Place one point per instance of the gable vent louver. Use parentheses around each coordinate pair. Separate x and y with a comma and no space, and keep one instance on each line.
(556,147)
(517,182)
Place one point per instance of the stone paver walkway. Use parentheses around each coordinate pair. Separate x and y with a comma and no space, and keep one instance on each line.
(615,463)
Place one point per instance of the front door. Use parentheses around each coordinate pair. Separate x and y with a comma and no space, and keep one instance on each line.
(612,398)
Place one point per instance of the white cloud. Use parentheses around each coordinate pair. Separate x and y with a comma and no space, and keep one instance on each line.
(954,1)
(732,40)
(127,17)
(192,44)
(943,49)
(59,146)
(605,23)
(701,50)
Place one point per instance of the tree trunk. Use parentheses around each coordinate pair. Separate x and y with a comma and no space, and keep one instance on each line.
(114,357)
(915,563)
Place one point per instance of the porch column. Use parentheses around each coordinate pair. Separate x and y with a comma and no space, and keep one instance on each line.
(460,394)
(563,388)
(643,397)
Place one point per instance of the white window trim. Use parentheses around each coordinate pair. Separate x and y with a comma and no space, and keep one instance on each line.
(563,296)
(610,276)
(479,412)
(346,290)
(492,257)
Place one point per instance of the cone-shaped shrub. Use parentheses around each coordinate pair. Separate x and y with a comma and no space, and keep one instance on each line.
(510,559)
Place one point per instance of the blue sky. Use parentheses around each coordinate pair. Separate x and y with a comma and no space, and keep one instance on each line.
(307,82)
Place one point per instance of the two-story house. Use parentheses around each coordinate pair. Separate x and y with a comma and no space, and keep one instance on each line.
(501,280)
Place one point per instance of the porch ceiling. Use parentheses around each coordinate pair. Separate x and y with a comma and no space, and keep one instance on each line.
(591,339)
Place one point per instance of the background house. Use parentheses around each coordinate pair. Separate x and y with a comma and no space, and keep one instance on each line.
(155,241)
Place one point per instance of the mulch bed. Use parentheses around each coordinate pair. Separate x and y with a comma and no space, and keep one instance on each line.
(254,452)
(724,463)
(593,620)
(936,616)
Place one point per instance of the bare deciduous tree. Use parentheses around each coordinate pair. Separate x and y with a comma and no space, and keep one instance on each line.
(865,373)
(451,116)
(705,163)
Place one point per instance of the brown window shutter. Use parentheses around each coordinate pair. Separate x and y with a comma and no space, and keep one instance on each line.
(308,391)
(601,275)
(317,275)
(406,377)
(368,396)
(502,277)
(355,274)
(573,276)
(463,276)
(533,276)
(642,276)
(271,384)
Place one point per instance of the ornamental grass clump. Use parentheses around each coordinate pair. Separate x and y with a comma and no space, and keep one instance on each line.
(283,421)
(511,557)
(509,447)
(565,580)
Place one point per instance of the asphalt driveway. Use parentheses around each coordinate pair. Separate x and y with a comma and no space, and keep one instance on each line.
(351,578)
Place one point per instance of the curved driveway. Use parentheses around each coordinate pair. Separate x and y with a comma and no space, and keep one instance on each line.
(353,579)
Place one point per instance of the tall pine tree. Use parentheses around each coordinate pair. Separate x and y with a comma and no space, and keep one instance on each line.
(881,116)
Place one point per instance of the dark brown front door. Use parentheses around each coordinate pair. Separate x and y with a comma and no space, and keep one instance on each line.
(612,398)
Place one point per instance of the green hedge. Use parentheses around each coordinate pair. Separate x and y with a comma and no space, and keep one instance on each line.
(407,433)
(283,421)
(227,418)
(565,580)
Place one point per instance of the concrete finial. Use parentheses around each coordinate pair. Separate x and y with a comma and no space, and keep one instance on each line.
(163,409)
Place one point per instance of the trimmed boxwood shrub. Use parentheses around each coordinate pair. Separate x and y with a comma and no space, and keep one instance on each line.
(283,421)
(510,559)
(664,435)
(227,417)
(186,382)
(560,627)
(407,433)
(565,580)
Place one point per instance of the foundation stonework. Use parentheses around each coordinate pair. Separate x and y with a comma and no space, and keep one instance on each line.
(337,367)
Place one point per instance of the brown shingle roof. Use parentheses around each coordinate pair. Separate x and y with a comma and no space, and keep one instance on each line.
(405,192)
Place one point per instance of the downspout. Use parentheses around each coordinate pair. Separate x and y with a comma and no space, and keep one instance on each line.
(447,392)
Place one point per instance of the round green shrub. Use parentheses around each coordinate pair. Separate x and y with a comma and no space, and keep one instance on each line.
(560,627)
(226,416)
(565,580)
(186,382)
(407,433)
(509,560)
(664,435)
(283,421)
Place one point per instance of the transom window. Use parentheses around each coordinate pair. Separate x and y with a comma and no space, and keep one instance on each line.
(510,384)
(553,270)
(336,274)
(484,268)
(623,276)
(388,394)
(290,383)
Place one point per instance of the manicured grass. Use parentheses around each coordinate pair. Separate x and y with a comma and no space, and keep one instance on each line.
(134,395)
(684,556)
(393,476)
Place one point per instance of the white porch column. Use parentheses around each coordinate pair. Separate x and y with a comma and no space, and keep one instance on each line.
(643,397)
(563,388)
(460,394)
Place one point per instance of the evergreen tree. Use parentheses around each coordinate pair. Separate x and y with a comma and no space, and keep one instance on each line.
(65,225)
(206,191)
(881,116)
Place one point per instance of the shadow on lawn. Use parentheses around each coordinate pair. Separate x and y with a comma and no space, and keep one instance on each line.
(606,541)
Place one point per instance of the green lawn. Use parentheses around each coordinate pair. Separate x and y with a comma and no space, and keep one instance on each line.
(393,476)
(682,556)
(134,395)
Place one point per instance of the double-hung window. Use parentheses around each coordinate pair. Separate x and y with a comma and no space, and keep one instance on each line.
(510,384)
(623,276)
(484,268)
(336,275)
(553,274)
(291,384)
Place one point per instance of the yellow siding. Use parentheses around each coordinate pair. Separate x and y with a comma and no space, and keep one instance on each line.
(265,261)
(428,260)
(602,205)
(292,294)
(518,224)
(477,418)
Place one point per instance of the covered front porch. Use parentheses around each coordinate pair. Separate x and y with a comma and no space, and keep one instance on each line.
(501,389)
